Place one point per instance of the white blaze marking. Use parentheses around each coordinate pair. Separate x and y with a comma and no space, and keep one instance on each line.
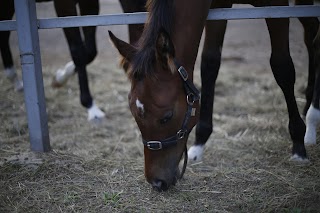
(140,105)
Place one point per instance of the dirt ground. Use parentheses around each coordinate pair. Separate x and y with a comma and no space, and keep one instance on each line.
(99,168)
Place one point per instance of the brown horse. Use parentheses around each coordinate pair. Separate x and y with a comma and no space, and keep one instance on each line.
(163,99)
(83,50)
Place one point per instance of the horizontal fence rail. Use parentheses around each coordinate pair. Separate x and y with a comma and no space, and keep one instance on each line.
(139,18)
(9,25)
(264,12)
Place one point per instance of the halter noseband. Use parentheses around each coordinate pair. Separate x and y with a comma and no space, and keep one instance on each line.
(193,95)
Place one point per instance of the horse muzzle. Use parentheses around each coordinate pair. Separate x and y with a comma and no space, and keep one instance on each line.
(163,185)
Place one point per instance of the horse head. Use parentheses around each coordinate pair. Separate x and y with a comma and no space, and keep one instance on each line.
(164,104)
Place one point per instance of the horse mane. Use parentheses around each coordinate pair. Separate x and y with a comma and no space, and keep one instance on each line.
(160,17)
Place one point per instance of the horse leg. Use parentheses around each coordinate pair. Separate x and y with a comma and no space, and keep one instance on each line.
(86,8)
(284,73)
(67,8)
(6,13)
(129,6)
(313,114)
(310,25)
(80,58)
(210,64)
(90,7)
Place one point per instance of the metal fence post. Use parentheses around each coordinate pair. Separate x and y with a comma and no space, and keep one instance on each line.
(32,74)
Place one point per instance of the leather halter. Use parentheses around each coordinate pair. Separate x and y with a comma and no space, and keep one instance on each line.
(192,95)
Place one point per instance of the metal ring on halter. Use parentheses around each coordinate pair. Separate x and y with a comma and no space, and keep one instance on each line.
(190,99)
(181,133)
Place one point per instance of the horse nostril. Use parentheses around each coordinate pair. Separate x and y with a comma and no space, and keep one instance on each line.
(159,185)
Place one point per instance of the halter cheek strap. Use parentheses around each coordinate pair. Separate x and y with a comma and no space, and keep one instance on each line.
(192,95)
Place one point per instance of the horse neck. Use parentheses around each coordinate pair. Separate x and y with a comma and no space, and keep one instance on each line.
(188,24)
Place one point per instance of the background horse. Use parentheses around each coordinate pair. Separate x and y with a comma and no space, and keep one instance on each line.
(281,65)
(162,98)
(81,41)
(313,115)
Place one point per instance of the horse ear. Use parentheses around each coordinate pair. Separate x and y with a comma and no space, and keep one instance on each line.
(127,51)
(164,47)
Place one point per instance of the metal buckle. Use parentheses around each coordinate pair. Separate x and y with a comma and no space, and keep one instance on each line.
(181,133)
(183,73)
(151,144)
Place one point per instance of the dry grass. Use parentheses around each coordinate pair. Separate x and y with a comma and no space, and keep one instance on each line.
(230,179)
(100,168)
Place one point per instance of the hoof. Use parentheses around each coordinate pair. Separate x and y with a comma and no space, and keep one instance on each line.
(299,159)
(10,73)
(63,75)
(18,85)
(95,115)
(195,153)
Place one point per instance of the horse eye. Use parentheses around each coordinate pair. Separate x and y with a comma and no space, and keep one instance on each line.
(167,117)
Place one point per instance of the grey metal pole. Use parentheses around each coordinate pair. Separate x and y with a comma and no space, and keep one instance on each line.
(32,74)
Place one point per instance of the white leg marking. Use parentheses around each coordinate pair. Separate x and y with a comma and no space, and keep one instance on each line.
(13,77)
(297,158)
(63,75)
(18,85)
(95,114)
(140,106)
(195,153)
(312,121)
(10,73)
